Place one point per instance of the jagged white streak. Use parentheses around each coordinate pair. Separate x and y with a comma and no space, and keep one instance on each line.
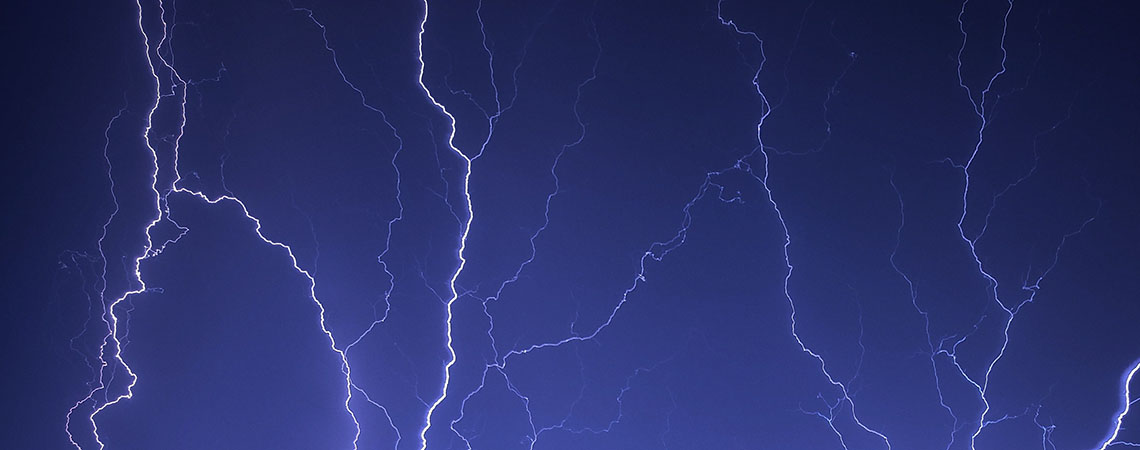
(763,179)
(497,365)
(465,230)
(111,338)
(1127,403)
(101,288)
(178,89)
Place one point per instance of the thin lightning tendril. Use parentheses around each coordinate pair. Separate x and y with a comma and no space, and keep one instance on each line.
(101,288)
(178,89)
(159,55)
(499,364)
(983,109)
(763,180)
(378,319)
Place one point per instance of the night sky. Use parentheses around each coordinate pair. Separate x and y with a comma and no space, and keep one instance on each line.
(571,224)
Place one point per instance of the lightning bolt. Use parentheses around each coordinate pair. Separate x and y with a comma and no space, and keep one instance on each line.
(109,354)
(113,380)
(464,231)
(762,177)
(983,104)
(1127,403)
(110,351)
(492,119)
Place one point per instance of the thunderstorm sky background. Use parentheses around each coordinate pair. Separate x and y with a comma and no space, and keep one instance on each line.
(571,225)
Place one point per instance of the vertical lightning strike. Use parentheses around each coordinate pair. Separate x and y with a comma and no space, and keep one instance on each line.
(465,230)
(497,364)
(763,180)
(982,107)
(981,110)
(492,119)
(106,391)
(107,368)
(1127,403)
(658,251)
(912,291)
(101,287)
(377,318)
(398,185)
(178,89)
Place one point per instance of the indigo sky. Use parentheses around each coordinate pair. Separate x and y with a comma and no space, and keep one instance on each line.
(572,225)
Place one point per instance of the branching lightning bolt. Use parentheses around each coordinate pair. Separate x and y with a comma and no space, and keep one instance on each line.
(178,89)
(499,363)
(109,363)
(1127,403)
(983,107)
(101,288)
(465,229)
(845,396)
(107,368)
(492,120)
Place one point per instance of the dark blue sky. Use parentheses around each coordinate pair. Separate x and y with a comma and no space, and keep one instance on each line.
(571,225)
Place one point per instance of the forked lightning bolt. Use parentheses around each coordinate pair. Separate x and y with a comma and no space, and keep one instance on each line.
(113,380)
(110,351)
